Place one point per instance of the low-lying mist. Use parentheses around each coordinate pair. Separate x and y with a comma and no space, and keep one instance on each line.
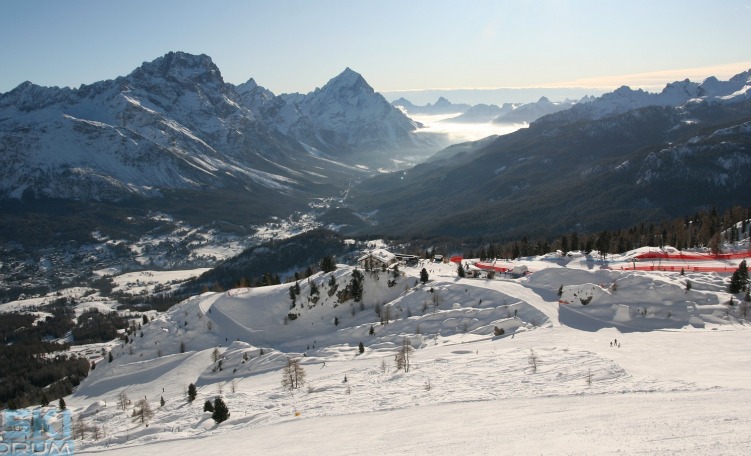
(459,132)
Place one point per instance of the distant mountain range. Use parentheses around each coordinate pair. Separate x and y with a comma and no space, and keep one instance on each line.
(173,136)
(508,113)
(440,107)
(607,162)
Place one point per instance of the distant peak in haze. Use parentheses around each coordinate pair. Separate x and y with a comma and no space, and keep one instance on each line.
(442,102)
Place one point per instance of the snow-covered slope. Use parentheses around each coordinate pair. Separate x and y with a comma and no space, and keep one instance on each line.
(480,346)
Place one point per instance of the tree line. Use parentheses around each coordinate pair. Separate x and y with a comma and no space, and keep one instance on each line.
(709,229)
(33,366)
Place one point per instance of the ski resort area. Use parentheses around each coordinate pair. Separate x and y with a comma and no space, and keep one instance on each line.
(574,356)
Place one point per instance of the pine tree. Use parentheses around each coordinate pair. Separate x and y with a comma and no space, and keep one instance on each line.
(191,392)
(208,406)
(424,276)
(44,401)
(356,285)
(221,412)
(161,401)
(328,264)
(560,291)
(460,270)
(61,404)
(109,357)
(361,348)
(739,279)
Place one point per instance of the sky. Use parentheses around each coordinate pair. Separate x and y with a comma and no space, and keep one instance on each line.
(399,47)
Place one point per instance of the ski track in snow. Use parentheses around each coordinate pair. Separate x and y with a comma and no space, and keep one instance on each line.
(657,391)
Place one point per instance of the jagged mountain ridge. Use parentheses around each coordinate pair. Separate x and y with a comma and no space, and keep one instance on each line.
(678,93)
(482,113)
(174,124)
(529,112)
(440,107)
(344,118)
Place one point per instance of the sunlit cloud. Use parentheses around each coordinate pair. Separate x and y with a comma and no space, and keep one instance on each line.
(651,80)
(461,131)
(656,80)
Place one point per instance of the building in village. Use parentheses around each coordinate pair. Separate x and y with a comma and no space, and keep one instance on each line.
(377,259)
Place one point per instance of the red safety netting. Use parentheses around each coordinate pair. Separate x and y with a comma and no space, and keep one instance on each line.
(682,256)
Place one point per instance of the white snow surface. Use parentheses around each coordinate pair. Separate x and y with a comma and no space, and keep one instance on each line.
(676,381)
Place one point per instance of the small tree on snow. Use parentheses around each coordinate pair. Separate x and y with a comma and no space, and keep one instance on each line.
(191,392)
(532,360)
(293,375)
(122,400)
(424,277)
(143,411)
(739,279)
(220,412)
(402,359)
(208,406)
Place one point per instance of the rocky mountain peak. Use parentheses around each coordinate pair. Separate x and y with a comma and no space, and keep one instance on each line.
(182,67)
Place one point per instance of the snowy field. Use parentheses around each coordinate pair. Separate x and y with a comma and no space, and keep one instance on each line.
(644,367)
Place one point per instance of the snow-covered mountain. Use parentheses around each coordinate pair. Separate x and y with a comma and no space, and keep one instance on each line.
(482,113)
(175,124)
(736,89)
(529,112)
(345,118)
(171,124)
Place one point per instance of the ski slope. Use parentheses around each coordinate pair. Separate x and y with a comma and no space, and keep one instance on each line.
(673,383)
